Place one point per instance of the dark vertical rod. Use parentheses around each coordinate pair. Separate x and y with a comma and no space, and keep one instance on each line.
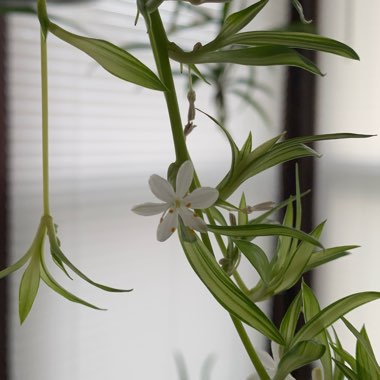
(299,121)
(3,204)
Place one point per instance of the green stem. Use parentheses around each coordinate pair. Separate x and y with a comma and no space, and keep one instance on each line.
(45,127)
(159,43)
(250,349)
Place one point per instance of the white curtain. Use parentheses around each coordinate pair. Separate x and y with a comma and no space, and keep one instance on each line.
(348,182)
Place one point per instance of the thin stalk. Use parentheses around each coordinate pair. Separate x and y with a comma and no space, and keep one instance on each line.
(159,43)
(250,349)
(45,126)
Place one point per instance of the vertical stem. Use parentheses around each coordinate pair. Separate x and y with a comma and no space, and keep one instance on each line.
(250,349)
(159,43)
(45,126)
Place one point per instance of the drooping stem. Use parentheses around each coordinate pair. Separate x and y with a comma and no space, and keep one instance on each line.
(250,349)
(45,125)
(159,43)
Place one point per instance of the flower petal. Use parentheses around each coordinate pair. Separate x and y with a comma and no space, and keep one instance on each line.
(161,188)
(184,178)
(202,197)
(191,220)
(149,208)
(168,225)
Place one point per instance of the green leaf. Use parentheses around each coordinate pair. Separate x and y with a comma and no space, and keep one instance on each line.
(17,265)
(290,320)
(338,375)
(367,366)
(333,312)
(233,146)
(57,252)
(196,71)
(239,20)
(53,284)
(292,40)
(284,242)
(255,56)
(242,216)
(254,230)
(324,137)
(218,216)
(341,355)
(310,309)
(257,257)
(226,292)
(349,373)
(327,255)
(277,154)
(301,354)
(296,263)
(112,58)
(29,287)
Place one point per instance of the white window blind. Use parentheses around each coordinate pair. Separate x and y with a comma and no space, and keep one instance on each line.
(106,138)
(349,173)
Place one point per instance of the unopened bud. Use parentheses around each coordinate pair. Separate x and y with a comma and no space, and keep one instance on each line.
(232,219)
(259,207)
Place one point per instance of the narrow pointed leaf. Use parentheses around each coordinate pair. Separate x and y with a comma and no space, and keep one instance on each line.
(255,56)
(293,40)
(301,354)
(226,292)
(58,253)
(53,284)
(297,262)
(112,58)
(327,255)
(338,374)
(310,309)
(242,216)
(29,285)
(333,312)
(348,372)
(344,356)
(16,266)
(196,71)
(324,137)
(364,350)
(284,242)
(237,21)
(257,257)
(254,230)
(290,320)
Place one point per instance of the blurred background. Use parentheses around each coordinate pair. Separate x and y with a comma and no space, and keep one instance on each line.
(107,137)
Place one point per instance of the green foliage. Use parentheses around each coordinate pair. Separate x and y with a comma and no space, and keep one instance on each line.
(295,252)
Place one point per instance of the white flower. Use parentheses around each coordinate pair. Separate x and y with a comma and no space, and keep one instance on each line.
(177,203)
(270,364)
